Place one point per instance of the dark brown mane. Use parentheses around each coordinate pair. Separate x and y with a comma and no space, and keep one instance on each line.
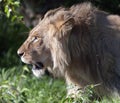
(89,42)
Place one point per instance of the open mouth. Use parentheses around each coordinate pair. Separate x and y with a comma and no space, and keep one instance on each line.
(38,66)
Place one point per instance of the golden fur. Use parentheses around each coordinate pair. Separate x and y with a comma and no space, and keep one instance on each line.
(80,44)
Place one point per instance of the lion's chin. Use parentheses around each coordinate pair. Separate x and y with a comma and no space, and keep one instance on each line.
(38,73)
(38,69)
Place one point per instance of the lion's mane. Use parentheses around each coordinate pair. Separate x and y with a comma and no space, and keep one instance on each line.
(87,50)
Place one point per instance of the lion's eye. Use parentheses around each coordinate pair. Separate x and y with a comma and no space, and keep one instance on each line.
(34,39)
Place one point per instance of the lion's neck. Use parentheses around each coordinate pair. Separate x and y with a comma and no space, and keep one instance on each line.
(83,56)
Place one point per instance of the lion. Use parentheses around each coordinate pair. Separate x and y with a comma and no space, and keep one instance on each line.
(80,44)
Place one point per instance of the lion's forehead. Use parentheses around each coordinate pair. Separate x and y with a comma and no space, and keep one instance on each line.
(36,30)
(40,29)
(48,24)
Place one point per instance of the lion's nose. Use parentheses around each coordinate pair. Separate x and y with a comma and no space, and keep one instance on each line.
(20,53)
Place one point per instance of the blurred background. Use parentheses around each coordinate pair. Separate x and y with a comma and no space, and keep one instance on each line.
(17,18)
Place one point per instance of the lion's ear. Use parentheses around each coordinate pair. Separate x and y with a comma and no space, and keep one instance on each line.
(65,24)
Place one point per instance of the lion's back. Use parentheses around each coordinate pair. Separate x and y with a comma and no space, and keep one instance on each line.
(108,32)
(103,31)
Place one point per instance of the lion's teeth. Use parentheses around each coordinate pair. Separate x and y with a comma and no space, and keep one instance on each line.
(37,66)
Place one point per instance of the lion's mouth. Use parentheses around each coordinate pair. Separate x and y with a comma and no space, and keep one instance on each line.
(37,66)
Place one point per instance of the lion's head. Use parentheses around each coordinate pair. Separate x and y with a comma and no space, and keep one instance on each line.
(35,50)
(43,46)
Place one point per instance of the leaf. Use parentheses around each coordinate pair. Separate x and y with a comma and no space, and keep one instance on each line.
(14,17)
(7,11)
(6,8)
(16,3)
(24,90)
(23,76)
(25,69)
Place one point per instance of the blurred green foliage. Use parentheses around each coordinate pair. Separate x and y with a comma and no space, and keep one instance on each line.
(11,36)
(12,32)
(10,8)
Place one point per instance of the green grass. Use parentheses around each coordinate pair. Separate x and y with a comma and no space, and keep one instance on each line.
(18,85)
